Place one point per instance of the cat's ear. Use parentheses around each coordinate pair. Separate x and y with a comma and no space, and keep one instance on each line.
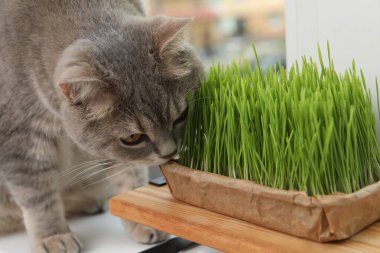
(87,90)
(169,32)
(169,38)
(79,83)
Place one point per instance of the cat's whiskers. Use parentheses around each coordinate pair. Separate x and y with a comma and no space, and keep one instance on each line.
(106,178)
(192,90)
(93,174)
(83,172)
(198,99)
(80,166)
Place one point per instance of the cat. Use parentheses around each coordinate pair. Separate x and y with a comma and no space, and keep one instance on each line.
(86,87)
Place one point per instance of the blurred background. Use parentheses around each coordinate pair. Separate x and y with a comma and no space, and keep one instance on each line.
(223,30)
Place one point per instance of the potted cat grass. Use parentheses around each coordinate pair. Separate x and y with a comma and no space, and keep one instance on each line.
(296,152)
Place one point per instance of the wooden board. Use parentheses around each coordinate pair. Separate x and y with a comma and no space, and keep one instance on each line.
(155,207)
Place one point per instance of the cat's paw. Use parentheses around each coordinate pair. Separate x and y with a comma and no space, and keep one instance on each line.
(61,243)
(143,234)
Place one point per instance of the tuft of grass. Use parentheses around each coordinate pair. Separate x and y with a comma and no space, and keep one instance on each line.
(310,129)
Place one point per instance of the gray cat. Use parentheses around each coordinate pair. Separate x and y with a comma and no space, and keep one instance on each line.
(86,87)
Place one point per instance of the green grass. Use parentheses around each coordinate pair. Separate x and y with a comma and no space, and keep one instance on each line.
(310,129)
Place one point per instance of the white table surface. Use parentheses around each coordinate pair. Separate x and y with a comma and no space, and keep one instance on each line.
(102,233)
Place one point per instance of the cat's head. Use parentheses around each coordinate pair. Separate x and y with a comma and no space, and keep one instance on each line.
(125,92)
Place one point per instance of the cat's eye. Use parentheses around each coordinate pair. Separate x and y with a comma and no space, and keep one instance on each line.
(133,139)
(181,118)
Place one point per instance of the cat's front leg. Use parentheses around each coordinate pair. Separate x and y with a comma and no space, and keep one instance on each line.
(36,193)
(142,233)
(131,179)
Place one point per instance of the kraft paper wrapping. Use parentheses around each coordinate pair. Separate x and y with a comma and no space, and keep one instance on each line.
(319,218)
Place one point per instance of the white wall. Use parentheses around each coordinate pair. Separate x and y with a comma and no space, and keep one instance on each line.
(351,26)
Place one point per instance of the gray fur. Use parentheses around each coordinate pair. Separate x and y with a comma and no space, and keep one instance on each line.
(75,77)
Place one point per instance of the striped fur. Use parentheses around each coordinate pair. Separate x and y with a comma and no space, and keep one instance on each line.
(76,77)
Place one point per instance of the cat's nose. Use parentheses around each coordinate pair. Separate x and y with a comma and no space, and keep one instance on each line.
(168,149)
(168,156)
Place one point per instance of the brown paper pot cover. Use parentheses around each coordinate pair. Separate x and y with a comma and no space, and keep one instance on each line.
(319,218)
